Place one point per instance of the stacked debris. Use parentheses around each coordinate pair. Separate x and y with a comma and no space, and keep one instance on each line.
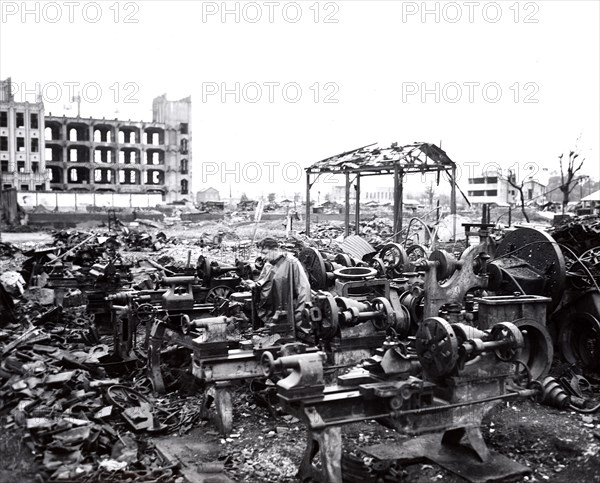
(579,234)
(81,421)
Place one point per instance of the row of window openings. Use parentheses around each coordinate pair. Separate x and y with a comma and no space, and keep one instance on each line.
(124,137)
(488,180)
(379,195)
(35,166)
(20,120)
(41,187)
(125,177)
(484,193)
(106,156)
(25,187)
(495,193)
(107,176)
(35,144)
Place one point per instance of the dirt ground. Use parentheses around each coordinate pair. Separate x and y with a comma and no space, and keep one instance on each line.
(267,445)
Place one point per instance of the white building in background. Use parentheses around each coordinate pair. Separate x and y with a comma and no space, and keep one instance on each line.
(494,188)
(22,160)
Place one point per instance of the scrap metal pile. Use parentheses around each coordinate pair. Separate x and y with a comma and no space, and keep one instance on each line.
(98,349)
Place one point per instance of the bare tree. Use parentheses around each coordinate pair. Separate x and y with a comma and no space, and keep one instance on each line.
(512,180)
(567,183)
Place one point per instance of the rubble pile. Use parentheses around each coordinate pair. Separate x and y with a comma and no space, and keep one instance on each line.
(83,420)
(109,340)
(579,234)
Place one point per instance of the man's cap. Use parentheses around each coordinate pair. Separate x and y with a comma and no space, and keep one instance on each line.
(268,242)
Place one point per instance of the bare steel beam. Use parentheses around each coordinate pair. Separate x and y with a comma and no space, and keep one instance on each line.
(453,201)
(347,208)
(396,202)
(357,219)
(307,203)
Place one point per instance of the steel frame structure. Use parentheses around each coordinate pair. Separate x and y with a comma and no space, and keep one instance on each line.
(374,160)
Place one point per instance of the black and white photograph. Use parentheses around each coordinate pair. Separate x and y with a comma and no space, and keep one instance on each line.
(299,241)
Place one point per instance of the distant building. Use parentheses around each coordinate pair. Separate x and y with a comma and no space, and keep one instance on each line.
(75,154)
(102,155)
(590,204)
(379,194)
(494,188)
(207,194)
(22,161)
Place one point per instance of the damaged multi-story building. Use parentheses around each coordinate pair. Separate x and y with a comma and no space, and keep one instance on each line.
(22,163)
(91,155)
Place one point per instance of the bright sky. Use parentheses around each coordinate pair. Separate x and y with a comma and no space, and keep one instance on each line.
(495,82)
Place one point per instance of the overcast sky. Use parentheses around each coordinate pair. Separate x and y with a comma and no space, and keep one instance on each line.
(295,82)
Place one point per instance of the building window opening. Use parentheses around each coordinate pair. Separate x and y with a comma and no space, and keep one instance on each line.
(183,128)
(35,146)
(3,119)
(33,120)
(184,166)
(184,187)
(3,143)
(21,144)
(21,166)
(4,166)
(20,120)
(35,167)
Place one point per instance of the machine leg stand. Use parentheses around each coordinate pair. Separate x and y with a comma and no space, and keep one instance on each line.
(224,408)
(474,437)
(328,443)
(154,372)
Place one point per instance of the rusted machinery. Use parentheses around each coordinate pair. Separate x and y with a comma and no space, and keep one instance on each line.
(321,271)
(465,371)
(348,330)
(219,363)
(525,262)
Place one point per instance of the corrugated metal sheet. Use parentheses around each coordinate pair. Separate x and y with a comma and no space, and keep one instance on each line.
(356,247)
(375,156)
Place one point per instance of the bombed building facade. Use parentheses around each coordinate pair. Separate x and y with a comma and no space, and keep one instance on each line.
(22,163)
(76,154)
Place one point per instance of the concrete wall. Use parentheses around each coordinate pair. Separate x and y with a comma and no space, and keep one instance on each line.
(80,201)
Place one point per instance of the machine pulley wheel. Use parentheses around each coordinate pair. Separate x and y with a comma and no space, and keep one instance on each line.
(446,264)
(538,350)
(224,408)
(437,347)
(355,273)
(416,254)
(329,324)
(313,263)
(344,259)
(218,293)
(505,331)
(394,257)
(539,250)
(377,264)
(579,340)
(267,364)
(203,268)
(145,312)
(388,316)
